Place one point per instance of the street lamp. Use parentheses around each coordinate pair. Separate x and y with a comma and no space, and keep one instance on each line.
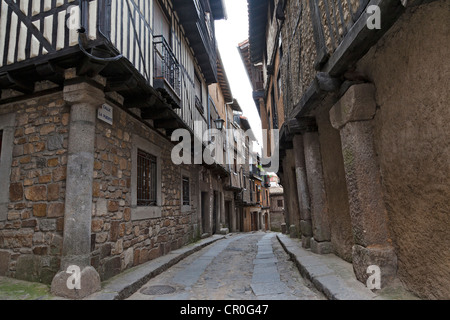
(219,123)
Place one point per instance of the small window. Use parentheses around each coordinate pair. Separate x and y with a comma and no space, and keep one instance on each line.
(280,203)
(186,198)
(146,179)
(198,93)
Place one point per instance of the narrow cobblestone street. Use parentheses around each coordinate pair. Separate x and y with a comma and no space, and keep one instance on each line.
(247,266)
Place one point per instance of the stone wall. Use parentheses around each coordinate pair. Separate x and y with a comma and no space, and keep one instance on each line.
(118,241)
(276,212)
(335,186)
(31,237)
(299,53)
(411,138)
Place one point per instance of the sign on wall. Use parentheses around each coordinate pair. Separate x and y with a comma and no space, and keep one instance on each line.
(105,113)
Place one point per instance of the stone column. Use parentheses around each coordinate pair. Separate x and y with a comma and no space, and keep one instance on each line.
(320,243)
(84,99)
(303,192)
(292,203)
(353,116)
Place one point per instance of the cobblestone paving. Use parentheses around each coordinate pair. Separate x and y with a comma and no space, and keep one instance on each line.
(245,266)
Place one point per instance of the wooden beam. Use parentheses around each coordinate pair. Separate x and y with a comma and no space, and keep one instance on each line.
(19,83)
(121,83)
(50,71)
(141,102)
(167,124)
(322,84)
(360,39)
(155,114)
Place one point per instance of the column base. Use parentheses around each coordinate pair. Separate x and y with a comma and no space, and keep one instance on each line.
(322,247)
(89,284)
(283,228)
(293,231)
(306,242)
(383,257)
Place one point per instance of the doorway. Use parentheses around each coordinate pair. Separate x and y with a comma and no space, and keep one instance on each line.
(204,201)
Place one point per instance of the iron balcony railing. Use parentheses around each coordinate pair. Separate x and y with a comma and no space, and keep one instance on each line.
(166,66)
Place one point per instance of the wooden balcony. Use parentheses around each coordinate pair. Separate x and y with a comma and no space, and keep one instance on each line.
(166,74)
(201,35)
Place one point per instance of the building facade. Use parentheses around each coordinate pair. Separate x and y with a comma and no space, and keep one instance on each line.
(362,158)
(93,94)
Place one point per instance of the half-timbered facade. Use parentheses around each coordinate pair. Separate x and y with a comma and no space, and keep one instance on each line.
(91,92)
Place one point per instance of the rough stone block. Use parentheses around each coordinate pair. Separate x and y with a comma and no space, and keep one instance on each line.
(89,284)
(357,104)
(321,247)
(15,192)
(306,242)
(55,210)
(55,142)
(383,257)
(36,193)
(306,228)
(111,267)
(293,231)
(28,268)
(40,210)
(5,257)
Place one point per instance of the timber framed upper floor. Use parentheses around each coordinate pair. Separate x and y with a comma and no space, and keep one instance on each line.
(160,55)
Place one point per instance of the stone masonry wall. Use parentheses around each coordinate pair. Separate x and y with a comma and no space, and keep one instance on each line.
(31,237)
(412,137)
(118,242)
(299,53)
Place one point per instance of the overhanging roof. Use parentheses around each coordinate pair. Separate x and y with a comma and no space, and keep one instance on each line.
(223,80)
(218,9)
(257,14)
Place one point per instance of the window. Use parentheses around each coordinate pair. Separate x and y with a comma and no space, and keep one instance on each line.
(146,179)
(274,109)
(279,84)
(186,198)
(198,93)
(161,23)
(280,203)
(209,25)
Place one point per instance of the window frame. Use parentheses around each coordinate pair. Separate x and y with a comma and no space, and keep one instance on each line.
(278,203)
(148,162)
(151,211)
(185,207)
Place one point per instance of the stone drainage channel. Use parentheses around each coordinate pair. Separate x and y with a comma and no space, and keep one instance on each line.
(229,269)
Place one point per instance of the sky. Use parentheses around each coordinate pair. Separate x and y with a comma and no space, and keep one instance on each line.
(229,34)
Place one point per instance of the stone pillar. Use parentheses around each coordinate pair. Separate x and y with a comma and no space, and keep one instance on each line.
(84,99)
(353,116)
(292,202)
(303,192)
(320,243)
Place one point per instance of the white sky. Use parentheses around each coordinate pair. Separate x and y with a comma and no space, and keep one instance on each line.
(229,34)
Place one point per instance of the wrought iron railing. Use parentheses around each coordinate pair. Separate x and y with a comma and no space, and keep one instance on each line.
(166,66)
